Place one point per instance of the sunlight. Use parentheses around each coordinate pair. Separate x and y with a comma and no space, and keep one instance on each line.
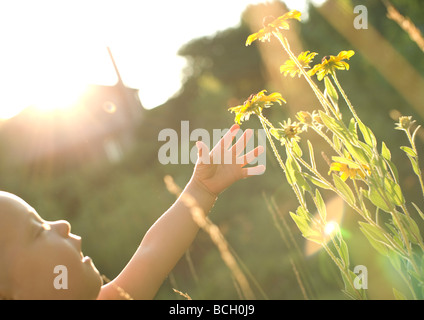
(67,72)
(53,50)
(50,57)
(53,78)
(60,96)
(331,227)
(335,212)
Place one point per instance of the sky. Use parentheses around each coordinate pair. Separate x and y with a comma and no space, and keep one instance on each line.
(50,50)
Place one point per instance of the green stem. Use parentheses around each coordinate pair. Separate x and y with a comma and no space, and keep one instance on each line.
(327,139)
(349,104)
(341,268)
(358,194)
(405,210)
(265,122)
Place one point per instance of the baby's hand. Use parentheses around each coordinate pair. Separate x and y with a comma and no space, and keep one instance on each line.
(224,165)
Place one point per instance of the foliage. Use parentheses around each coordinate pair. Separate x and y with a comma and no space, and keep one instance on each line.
(374,181)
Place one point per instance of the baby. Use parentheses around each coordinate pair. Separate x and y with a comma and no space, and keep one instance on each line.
(42,260)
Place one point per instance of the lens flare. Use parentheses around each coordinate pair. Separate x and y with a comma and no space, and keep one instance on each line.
(335,211)
(331,228)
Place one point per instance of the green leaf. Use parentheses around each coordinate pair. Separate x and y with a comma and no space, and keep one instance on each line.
(294,175)
(396,261)
(385,152)
(331,91)
(394,192)
(304,227)
(398,295)
(301,223)
(379,163)
(411,228)
(375,236)
(344,189)
(414,164)
(367,134)
(418,210)
(300,180)
(393,169)
(353,127)
(409,151)
(344,253)
(320,204)
(290,171)
(302,219)
(337,127)
(358,153)
(348,281)
(414,229)
(302,212)
(337,143)
(311,154)
(396,237)
(376,198)
(316,181)
(376,232)
(296,149)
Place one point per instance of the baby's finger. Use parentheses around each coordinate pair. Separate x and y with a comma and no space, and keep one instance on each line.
(202,152)
(227,139)
(250,156)
(253,171)
(241,143)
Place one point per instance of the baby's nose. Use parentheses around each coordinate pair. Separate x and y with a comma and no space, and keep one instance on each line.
(62,227)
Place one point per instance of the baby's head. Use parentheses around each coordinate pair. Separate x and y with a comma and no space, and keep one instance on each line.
(41,259)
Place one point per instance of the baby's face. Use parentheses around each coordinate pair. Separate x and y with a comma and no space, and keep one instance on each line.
(41,259)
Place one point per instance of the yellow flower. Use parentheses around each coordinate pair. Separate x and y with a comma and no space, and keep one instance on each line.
(275,25)
(290,67)
(348,172)
(255,104)
(289,131)
(331,63)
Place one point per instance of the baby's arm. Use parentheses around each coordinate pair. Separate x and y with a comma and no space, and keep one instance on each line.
(172,234)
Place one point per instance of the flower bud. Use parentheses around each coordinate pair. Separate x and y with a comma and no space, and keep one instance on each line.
(304,117)
(404,123)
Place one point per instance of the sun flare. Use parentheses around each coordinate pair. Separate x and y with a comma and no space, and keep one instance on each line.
(335,213)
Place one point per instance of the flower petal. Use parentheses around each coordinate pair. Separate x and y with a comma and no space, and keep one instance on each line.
(293,14)
(344,176)
(345,54)
(251,38)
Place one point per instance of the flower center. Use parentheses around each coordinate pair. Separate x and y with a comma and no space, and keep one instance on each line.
(326,58)
(267,20)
